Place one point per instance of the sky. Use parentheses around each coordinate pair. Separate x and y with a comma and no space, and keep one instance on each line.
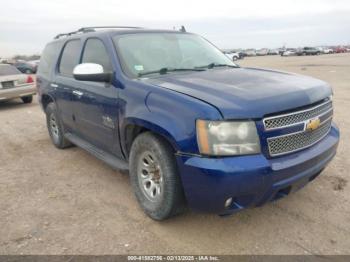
(27,25)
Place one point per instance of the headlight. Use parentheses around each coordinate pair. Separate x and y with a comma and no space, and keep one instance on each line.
(225,138)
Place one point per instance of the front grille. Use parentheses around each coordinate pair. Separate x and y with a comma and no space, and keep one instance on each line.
(7,84)
(296,141)
(297,117)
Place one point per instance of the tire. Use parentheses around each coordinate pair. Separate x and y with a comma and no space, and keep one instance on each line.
(27,99)
(154,177)
(234,58)
(55,127)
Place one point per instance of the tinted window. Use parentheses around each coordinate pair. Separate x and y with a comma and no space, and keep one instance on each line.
(47,59)
(95,52)
(6,70)
(70,57)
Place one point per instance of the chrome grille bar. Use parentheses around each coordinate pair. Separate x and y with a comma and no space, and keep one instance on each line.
(294,118)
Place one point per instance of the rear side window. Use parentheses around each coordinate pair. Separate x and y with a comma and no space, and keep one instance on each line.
(47,59)
(70,57)
(95,52)
(6,70)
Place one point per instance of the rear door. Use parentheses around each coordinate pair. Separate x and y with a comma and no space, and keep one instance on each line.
(96,102)
(64,83)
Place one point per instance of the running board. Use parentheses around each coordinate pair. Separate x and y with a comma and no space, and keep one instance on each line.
(113,161)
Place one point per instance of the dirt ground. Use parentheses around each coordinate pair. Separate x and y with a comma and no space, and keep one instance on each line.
(68,202)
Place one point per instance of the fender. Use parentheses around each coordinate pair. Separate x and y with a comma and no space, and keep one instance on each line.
(165,112)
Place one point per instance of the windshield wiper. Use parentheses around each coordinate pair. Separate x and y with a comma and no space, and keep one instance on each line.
(165,70)
(212,65)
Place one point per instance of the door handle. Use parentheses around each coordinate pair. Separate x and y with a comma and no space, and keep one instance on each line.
(53,85)
(77,93)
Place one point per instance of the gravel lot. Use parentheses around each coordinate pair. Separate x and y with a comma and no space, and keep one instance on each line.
(67,202)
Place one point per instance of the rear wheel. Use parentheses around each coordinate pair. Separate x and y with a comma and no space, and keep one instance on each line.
(154,177)
(55,127)
(27,99)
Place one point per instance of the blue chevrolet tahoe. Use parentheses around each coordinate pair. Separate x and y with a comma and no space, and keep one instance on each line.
(192,128)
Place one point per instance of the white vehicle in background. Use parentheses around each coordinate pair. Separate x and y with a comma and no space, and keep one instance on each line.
(327,50)
(289,52)
(34,62)
(232,55)
(250,52)
(262,52)
(273,52)
(14,84)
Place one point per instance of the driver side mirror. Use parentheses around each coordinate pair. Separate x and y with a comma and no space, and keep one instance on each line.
(91,72)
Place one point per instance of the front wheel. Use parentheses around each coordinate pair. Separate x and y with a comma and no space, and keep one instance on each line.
(154,177)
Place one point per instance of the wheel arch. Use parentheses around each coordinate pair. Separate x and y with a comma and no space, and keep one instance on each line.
(135,126)
(45,100)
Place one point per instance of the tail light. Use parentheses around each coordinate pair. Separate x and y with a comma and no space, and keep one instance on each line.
(30,80)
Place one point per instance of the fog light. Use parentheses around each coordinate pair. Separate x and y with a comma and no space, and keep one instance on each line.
(228,202)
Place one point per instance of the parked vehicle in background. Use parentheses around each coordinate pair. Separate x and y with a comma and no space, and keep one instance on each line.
(191,126)
(241,54)
(34,63)
(262,52)
(340,49)
(232,55)
(14,84)
(308,51)
(26,67)
(327,50)
(250,52)
(273,52)
(289,52)
(321,49)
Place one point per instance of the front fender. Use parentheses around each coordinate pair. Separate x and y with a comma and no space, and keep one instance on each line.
(168,113)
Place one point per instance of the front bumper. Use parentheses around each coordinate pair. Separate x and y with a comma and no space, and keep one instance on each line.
(251,180)
(16,92)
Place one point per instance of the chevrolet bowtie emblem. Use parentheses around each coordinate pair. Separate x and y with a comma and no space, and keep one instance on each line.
(313,124)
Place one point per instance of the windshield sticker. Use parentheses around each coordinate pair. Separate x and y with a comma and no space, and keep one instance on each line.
(138,67)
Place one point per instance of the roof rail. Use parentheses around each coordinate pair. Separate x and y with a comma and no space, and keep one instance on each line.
(92,29)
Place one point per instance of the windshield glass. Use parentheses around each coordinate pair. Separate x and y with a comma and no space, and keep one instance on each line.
(146,52)
(6,70)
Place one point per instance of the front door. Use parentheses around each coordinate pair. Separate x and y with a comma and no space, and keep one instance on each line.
(96,113)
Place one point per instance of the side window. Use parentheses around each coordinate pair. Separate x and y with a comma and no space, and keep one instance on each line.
(47,59)
(95,52)
(70,57)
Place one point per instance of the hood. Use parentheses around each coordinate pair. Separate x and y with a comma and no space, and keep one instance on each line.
(241,93)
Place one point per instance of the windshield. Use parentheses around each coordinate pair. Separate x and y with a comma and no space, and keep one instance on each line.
(6,70)
(150,52)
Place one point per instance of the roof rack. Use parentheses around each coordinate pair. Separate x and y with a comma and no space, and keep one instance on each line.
(92,29)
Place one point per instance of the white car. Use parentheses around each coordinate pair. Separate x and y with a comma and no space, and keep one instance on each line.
(289,53)
(14,84)
(232,55)
(328,51)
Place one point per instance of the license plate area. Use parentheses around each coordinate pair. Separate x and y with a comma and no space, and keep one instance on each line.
(7,84)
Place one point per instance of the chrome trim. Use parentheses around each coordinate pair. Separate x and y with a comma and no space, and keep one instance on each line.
(295,113)
(288,152)
(77,93)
